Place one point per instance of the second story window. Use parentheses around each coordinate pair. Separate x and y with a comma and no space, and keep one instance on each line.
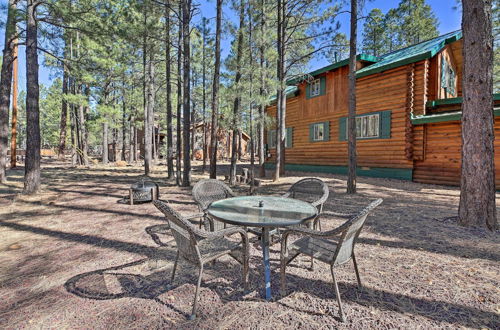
(448,77)
(315,87)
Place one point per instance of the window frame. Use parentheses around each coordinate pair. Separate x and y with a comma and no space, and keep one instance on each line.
(315,87)
(318,126)
(363,119)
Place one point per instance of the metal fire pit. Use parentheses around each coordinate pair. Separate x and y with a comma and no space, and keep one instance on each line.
(143,191)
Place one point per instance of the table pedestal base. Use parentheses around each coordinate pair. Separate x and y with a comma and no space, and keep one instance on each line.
(265,239)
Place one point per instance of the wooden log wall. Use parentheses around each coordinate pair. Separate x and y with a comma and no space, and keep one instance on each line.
(442,162)
(377,92)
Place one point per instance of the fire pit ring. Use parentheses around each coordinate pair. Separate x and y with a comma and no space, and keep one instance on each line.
(143,191)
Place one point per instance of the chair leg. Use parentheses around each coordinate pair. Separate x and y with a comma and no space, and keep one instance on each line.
(337,294)
(195,303)
(356,269)
(283,276)
(175,268)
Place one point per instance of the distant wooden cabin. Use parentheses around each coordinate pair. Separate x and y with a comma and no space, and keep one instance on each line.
(408,115)
(224,138)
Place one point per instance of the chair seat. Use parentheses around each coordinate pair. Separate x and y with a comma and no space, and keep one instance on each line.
(318,248)
(211,249)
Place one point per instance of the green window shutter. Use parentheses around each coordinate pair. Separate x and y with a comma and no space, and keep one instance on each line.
(343,129)
(289,137)
(322,90)
(311,132)
(385,124)
(308,93)
(326,128)
(269,138)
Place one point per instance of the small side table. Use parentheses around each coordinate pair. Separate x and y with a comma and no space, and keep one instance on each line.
(144,191)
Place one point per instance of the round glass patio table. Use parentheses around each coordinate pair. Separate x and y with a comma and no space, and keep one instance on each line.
(267,212)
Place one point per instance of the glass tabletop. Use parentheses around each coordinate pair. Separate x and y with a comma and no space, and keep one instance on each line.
(262,211)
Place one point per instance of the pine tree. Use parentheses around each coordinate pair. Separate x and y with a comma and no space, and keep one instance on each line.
(373,33)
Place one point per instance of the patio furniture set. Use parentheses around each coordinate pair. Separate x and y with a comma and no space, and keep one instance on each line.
(296,213)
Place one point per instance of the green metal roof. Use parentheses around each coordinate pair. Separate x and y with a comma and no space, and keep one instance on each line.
(411,54)
(360,57)
(454,100)
(290,91)
(445,116)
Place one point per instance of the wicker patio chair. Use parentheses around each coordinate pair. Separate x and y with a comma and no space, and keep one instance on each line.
(311,190)
(207,191)
(199,247)
(320,245)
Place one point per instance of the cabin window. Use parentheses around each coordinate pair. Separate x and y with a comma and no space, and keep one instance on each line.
(375,125)
(271,138)
(367,126)
(448,77)
(319,131)
(316,87)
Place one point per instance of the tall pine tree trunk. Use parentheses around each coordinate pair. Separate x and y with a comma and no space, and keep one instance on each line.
(105,155)
(204,94)
(6,86)
(13,134)
(178,174)
(352,160)
(168,76)
(215,94)
(145,91)
(186,18)
(262,170)
(32,165)
(237,99)
(64,114)
(281,101)
(477,190)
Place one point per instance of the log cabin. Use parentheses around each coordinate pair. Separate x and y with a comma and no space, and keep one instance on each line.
(407,115)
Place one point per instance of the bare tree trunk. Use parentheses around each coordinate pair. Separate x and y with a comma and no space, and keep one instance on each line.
(32,164)
(73,134)
(135,143)
(13,134)
(178,176)
(250,60)
(204,82)
(105,155)
(64,115)
(82,129)
(477,190)
(147,119)
(124,122)
(237,99)
(351,174)
(6,86)
(262,170)
(114,137)
(168,74)
(281,101)
(129,142)
(215,94)
(186,18)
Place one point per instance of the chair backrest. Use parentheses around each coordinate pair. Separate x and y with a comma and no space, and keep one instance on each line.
(182,230)
(349,236)
(311,190)
(210,190)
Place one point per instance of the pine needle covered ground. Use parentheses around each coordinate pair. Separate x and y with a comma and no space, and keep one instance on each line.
(73,257)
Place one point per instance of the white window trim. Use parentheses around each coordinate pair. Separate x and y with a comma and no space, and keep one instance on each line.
(318,126)
(315,88)
(359,134)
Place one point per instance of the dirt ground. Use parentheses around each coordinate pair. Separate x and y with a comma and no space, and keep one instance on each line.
(74,257)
